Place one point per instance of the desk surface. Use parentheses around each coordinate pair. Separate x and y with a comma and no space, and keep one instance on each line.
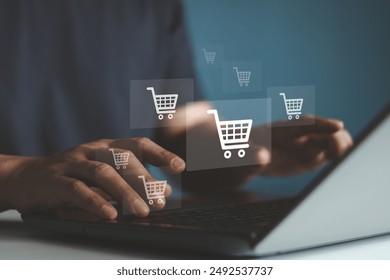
(17,241)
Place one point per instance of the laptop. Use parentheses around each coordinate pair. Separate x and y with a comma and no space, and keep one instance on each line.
(349,200)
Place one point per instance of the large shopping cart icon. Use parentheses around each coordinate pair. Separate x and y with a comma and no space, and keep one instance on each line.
(243,77)
(154,190)
(164,103)
(209,56)
(293,106)
(233,135)
(120,159)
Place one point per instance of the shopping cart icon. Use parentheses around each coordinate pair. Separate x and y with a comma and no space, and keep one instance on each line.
(154,190)
(293,106)
(233,135)
(120,159)
(209,56)
(243,77)
(164,103)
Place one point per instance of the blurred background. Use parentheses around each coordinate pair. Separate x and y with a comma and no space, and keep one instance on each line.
(342,47)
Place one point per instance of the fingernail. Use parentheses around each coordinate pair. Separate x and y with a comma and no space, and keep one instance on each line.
(263,156)
(140,208)
(178,164)
(108,212)
(339,124)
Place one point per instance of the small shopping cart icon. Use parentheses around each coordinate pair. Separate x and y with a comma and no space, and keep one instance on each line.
(293,106)
(243,77)
(164,103)
(154,190)
(120,159)
(209,56)
(233,135)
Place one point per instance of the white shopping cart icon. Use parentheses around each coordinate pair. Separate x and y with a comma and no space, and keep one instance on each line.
(293,106)
(233,135)
(209,56)
(154,190)
(164,103)
(120,159)
(243,77)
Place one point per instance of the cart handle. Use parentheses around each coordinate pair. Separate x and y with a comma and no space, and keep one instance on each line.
(112,151)
(143,178)
(283,94)
(151,89)
(215,113)
(236,69)
(204,51)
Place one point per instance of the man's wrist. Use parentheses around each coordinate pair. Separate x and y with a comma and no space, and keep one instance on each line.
(10,167)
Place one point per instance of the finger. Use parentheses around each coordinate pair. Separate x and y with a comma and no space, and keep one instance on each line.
(101,193)
(77,192)
(105,177)
(153,153)
(334,145)
(168,190)
(96,190)
(309,153)
(339,143)
(321,125)
(261,156)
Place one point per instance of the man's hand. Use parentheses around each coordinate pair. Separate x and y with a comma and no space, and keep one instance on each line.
(300,148)
(84,177)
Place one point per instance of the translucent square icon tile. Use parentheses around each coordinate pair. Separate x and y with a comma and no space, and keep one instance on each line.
(231,135)
(291,104)
(208,56)
(157,191)
(241,76)
(155,103)
(124,157)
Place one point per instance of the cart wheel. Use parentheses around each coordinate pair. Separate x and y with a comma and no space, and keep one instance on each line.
(160,201)
(240,84)
(170,116)
(151,202)
(289,117)
(227,154)
(297,117)
(246,84)
(241,153)
(160,117)
(118,167)
(124,166)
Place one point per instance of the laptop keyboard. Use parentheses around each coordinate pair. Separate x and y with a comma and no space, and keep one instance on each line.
(251,215)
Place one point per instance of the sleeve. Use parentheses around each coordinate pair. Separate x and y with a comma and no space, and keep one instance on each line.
(178,51)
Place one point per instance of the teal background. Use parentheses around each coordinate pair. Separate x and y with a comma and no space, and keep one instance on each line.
(341,47)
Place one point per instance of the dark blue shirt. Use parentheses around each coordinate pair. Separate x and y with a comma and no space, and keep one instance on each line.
(65,67)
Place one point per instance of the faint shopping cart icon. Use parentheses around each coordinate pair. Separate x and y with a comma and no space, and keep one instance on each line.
(293,106)
(243,77)
(233,135)
(164,103)
(120,159)
(154,190)
(209,56)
